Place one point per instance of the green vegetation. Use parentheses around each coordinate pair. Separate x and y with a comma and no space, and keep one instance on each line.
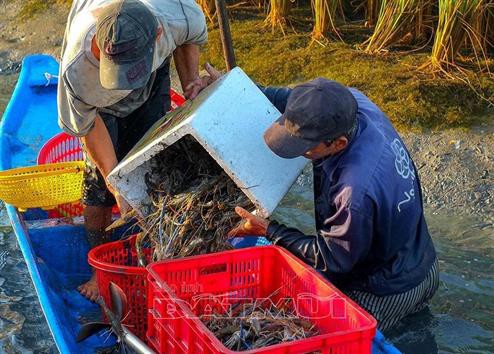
(402,78)
(399,21)
(278,14)
(455,30)
(33,7)
(372,8)
(411,98)
(325,13)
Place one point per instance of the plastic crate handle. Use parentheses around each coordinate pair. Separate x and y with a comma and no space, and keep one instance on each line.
(213,269)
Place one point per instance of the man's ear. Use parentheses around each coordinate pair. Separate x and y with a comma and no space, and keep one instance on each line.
(159,32)
(94,48)
(340,144)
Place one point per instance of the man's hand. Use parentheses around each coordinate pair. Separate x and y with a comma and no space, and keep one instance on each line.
(200,83)
(250,225)
(213,73)
(194,87)
(123,206)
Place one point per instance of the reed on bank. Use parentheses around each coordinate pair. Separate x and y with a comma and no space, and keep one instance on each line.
(278,12)
(325,13)
(399,21)
(457,29)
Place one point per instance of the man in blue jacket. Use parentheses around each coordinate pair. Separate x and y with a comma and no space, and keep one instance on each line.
(372,239)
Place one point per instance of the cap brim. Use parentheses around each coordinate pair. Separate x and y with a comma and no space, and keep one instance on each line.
(285,145)
(126,76)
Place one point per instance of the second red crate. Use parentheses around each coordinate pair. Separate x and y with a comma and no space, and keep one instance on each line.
(181,290)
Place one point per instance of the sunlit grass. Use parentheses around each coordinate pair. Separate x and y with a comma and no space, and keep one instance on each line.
(409,98)
(399,21)
(455,30)
(209,8)
(278,11)
(33,7)
(325,13)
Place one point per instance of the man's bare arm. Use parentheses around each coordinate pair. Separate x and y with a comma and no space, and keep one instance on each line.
(186,59)
(99,148)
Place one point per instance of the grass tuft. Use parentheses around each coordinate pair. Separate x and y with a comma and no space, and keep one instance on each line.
(325,13)
(400,21)
(34,7)
(278,14)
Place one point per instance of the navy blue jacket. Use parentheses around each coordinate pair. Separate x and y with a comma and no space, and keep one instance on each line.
(371,231)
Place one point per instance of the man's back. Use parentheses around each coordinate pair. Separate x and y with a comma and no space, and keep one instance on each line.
(374,183)
(81,94)
(372,240)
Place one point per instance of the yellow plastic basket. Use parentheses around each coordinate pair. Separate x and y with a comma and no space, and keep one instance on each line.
(42,186)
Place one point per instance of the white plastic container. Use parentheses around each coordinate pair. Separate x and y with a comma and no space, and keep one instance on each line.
(228,119)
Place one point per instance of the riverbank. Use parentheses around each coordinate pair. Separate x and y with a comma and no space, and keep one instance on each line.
(412,97)
(456,168)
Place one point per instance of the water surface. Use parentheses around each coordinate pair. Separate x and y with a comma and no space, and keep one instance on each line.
(460,318)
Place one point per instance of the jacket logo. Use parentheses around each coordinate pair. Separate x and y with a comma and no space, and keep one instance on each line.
(405,169)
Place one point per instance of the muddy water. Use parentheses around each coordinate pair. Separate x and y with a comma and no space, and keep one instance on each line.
(459,320)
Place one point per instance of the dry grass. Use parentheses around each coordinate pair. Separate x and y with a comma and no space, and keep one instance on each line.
(455,30)
(411,97)
(400,21)
(325,14)
(461,27)
(209,9)
(278,12)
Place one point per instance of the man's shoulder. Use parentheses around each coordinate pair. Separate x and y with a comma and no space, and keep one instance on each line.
(371,169)
(184,20)
(366,106)
(172,9)
(359,166)
(81,78)
(78,35)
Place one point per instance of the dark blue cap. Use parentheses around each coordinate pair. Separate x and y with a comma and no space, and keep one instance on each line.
(126,32)
(317,111)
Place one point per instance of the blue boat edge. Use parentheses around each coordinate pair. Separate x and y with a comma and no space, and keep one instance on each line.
(34,81)
(19,227)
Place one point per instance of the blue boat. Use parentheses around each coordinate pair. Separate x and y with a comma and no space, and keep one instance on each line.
(55,249)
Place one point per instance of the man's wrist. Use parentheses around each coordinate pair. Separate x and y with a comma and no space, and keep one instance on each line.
(192,79)
(271,229)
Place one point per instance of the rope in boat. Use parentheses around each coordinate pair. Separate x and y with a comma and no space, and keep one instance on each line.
(48,78)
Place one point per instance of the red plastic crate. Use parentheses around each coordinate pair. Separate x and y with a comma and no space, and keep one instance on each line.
(176,99)
(64,148)
(117,262)
(61,148)
(180,290)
